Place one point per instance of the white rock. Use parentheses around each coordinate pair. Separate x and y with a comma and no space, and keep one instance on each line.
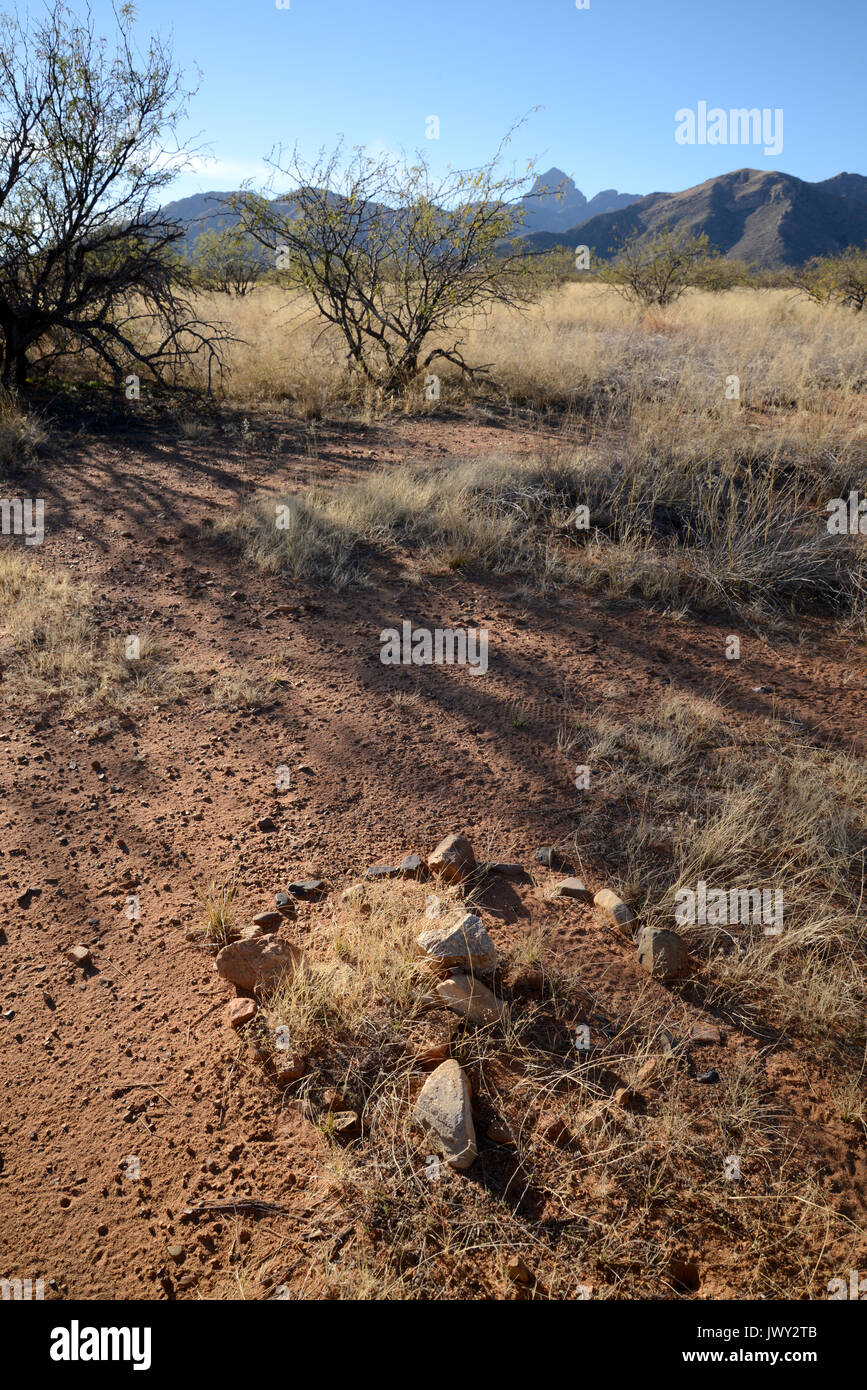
(444,1109)
(463,942)
(471,999)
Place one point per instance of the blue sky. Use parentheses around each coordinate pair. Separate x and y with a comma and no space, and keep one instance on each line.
(609,80)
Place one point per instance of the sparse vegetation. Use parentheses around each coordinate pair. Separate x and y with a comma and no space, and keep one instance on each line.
(393,257)
(87,142)
(657,271)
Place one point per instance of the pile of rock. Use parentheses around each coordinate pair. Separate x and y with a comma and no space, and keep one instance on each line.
(459,951)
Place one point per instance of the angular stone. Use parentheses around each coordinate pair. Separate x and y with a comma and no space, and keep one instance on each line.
(444,1110)
(411,866)
(79,955)
(382,871)
(507,870)
(471,999)
(662,954)
(333,1099)
(241,1011)
(620,912)
(705,1033)
(453,859)
(345,1124)
(268,921)
(288,1069)
(265,823)
(499,1132)
(517,1271)
(463,942)
(257,962)
(307,887)
(571,888)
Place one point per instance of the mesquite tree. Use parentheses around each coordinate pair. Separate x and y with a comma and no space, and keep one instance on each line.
(87,141)
(397,258)
(655,269)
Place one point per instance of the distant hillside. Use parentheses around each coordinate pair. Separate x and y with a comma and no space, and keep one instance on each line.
(201,212)
(770,218)
(554,203)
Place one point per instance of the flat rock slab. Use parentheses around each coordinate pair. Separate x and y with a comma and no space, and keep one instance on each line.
(572,888)
(381,871)
(257,962)
(411,866)
(268,921)
(705,1033)
(307,887)
(463,942)
(507,870)
(444,1110)
(471,999)
(240,1012)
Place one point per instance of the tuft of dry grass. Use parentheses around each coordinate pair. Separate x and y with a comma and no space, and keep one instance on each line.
(581,348)
(715,529)
(21,435)
(771,814)
(52,649)
(220,925)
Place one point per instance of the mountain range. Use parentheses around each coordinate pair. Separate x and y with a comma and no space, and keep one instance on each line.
(761,216)
(768,218)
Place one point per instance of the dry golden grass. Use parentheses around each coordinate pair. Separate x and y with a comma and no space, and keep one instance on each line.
(220,922)
(581,345)
(21,435)
(771,814)
(691,497)
(634,1190)
(51,650)
(679,521)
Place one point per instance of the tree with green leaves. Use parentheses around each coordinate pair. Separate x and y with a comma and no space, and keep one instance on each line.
(655,269)
(87,141)
(228,261)
(397,259)
(840,279)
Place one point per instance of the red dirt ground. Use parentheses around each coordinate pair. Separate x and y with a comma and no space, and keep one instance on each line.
(135,1058)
